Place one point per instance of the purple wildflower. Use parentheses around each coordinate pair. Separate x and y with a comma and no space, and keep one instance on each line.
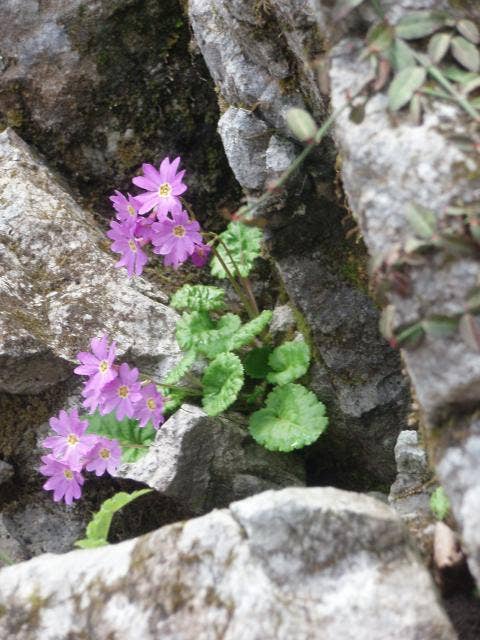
(64,481)
(150,407)
(126,243)
(122,393)
(98,364)
(163,187)
(126,207)
(105,456)
(176,238)
(71,444)
(201,254)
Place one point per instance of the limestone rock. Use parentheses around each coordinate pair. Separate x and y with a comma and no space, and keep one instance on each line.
(230,575)
(205,462)
(58,285)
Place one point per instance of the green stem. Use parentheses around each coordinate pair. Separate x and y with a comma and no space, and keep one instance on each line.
(249,209)
(234,284)
(377,7)
(437,75)
(188,390)
(130,445)
(249,291)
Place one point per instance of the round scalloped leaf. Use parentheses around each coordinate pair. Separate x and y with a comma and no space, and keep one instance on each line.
(222,381)
(198,297)
(289,361)
(293,418)
(240,243)
(190,327)
(180,369)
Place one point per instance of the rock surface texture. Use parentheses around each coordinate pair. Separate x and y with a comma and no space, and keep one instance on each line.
(100,87)
(58,286)
(262,58)
(204,462)
(299,563)
(388,164)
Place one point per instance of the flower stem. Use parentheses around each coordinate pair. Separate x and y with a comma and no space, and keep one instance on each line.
(243,281)
(249,291)
(234,284)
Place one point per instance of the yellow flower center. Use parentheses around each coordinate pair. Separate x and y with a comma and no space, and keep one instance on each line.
(72,439)
(131,210)
(151,404)
(105,454)
(179,231)
(68,474)
(123,391)
(103,366)
(133,245)
(164,190)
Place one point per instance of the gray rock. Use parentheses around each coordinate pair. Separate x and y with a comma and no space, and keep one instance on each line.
(205,462)
(283,320)
(100,87)
(458,471)
(58,285)
(244,138)
(230,574)
(6,472)
(11,550)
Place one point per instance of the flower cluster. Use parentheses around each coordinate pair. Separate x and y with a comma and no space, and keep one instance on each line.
(156,217)
(112,387)
(72,451)
(109,388)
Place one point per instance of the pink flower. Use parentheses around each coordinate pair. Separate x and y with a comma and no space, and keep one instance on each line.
(176,238)
(64,481)
(163,187)
(93,399)
(105,456)
(150,407)
(126,207)
(126,243)
(98,364)
(201,254)
(122,393)
(71,445)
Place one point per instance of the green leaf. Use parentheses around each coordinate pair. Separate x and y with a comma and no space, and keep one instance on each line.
(466,53)
(181,368)
(401,56)
(198,297)
(191,327)
(134,440)
(293,418)
(173,399)
(380,37)
(301,124)
(422,220)
(99,526)
(222,381)
(440,326)
(289,361)
(256,363)
(243,244)
(469,30)
(247,332)
(439,503)
(411,336)
(438,46)
(404,85)
(419,24)
(459,75)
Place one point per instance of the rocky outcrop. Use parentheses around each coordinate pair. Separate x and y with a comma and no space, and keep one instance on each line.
(264,58)
(203,462)
(59,287)
(100,87)
(299,563)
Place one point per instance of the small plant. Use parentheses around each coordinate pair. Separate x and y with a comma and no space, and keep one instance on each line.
(439,503)
(228,359)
